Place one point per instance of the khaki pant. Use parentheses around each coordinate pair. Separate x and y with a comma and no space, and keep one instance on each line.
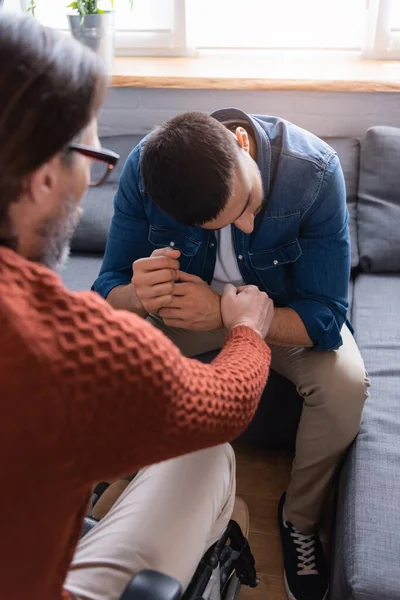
(334,387)
(166,519)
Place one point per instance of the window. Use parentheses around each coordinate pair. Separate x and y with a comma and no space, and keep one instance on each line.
(382,36)
(164,27)
(329,24)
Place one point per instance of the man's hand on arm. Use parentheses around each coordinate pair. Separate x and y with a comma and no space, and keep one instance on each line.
(235,304)
(285,328)
(186,301)
(195,305)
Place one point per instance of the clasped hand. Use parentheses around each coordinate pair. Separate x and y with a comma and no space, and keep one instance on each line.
(182,300)
(186,301)
(194,305)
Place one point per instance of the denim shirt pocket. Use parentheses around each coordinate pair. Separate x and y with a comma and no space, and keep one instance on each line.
(163,237)
(273,266)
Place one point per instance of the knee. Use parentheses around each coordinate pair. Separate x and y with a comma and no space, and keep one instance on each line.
(218,464)
(213,468)
(337,390)
(345,395)
(350,383)
(219,458)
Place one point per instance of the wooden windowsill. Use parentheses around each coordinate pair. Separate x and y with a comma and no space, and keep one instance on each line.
(273,70)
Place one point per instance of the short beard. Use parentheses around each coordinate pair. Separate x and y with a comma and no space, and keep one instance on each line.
(57,233)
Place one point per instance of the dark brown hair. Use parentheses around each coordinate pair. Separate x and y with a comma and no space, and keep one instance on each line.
(187,166)
(51,86)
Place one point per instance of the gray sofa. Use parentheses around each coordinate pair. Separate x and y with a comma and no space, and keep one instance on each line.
(366,554)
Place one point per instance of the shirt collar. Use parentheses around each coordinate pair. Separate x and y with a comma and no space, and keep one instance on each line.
(262,140)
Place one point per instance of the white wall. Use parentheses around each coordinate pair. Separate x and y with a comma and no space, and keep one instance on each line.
(137,111)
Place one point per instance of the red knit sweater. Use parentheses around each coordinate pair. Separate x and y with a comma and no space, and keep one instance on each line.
(89,394)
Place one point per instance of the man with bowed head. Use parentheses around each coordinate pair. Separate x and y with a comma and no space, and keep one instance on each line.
(250,199)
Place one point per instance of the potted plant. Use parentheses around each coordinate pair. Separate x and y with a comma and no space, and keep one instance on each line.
(91,25)
(94,27)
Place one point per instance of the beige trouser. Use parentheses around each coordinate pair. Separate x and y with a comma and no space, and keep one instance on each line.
(334,387)
(166,519)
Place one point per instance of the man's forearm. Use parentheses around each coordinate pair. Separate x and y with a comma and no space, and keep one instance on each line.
(123,297)
(288,330)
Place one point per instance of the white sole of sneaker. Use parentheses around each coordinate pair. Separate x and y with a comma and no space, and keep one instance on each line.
(289,593)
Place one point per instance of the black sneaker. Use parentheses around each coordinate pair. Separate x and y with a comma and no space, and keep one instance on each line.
(306,573)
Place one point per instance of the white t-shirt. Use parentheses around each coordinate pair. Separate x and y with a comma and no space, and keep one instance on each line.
(226,265)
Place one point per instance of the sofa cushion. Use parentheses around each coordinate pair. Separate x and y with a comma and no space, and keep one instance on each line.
(98,203)
(98,209)
(379,201)
(81,271)
(348,150)
(366,561)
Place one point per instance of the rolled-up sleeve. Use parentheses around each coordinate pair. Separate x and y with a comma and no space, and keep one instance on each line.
(321,275)
(128,236)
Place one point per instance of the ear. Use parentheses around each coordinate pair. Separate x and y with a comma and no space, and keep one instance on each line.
(243,139)
(41,184)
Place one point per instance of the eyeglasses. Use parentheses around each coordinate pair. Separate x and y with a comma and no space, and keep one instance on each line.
(103,162)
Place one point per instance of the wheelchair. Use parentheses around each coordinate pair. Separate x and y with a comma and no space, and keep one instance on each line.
(224,568)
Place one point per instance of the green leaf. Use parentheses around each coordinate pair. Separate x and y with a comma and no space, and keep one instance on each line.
(87,7)
(32,8)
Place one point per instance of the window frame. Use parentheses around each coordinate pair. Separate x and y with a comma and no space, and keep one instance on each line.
(158,42)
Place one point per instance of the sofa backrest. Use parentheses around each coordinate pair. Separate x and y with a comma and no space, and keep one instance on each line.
(98,208)
(378,214)
(98,203)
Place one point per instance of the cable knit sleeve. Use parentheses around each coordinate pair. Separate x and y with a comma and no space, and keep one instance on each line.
(136,400)
(117,393)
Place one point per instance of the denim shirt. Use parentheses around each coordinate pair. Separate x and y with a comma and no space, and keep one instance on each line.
(299,251)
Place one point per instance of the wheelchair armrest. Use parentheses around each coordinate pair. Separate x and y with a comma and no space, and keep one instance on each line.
(152,585)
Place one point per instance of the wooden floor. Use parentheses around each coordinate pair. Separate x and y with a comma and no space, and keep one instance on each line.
(262,476)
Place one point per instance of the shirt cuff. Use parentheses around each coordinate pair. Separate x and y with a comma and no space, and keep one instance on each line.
(107,282)
(322,325)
